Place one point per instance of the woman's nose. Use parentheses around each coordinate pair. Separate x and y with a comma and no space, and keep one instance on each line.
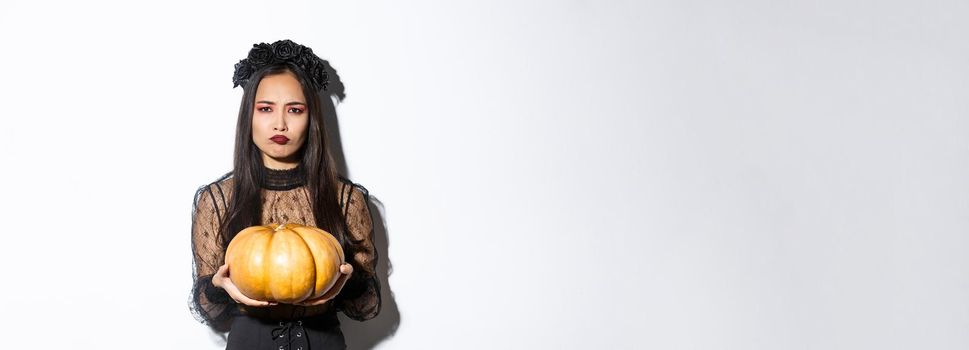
(280,124)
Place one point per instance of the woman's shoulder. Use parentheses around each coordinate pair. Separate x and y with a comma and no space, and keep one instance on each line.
(352,190)
(224,182)
(349,183)
(220,188)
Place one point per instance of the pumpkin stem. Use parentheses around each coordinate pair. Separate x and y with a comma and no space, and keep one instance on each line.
(279,227)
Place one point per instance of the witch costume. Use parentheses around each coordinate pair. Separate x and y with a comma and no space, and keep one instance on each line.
(285,198)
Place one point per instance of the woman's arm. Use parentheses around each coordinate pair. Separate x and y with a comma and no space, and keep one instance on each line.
(360,297)
(210,304)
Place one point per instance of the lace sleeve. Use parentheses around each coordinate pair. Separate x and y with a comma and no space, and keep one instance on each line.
(209,304)
(360,297)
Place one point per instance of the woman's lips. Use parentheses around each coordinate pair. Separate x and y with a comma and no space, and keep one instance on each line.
(280,139)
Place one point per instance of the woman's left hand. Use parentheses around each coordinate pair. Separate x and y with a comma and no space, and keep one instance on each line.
(345,271)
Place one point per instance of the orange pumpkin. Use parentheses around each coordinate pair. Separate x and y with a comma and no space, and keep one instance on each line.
(286,263)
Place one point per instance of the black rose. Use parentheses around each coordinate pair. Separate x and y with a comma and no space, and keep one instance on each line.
(318,74)
(305,62)
(285,49)
(242,73)
(261,54)
(311,66)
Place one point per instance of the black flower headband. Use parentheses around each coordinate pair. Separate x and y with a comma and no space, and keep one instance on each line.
(263,54)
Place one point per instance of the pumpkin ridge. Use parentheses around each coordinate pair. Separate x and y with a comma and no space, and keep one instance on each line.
(267,261)
(304,249)
(276,243)
(254,263)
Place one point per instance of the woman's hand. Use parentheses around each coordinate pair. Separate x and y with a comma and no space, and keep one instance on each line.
(221,279)
(345,271)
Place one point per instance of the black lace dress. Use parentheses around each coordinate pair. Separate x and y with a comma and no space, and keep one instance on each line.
(282,327)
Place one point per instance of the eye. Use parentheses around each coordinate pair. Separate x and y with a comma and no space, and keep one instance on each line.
(264,109)
(295,110)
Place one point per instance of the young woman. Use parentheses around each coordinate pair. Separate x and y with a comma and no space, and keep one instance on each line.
(282,173)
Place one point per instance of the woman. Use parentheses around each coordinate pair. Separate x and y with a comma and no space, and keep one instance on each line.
(282,173)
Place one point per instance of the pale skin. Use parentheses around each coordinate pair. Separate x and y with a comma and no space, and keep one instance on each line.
(280,109)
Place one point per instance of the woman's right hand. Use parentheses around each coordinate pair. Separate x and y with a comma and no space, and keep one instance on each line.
(221,279)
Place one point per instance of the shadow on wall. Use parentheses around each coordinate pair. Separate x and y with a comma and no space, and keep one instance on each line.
(367,334)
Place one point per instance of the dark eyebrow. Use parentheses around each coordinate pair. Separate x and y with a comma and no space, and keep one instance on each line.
(289,103)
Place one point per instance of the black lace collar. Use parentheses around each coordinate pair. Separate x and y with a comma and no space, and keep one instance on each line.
(282,180)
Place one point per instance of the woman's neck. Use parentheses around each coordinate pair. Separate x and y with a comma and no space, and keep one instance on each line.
(277,164)
(283,179)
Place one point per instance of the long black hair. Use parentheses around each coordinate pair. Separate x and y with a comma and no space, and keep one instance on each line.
(322,176)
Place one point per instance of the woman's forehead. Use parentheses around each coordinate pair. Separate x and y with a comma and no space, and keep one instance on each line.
(279,87)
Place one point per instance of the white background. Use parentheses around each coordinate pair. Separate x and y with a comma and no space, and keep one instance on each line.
(548,175)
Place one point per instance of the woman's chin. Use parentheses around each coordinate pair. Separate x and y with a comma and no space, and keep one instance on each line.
(286,158)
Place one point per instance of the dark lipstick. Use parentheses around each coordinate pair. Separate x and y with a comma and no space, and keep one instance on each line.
(280,139)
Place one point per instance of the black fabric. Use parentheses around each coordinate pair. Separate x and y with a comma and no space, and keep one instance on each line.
(320,332)
(283,179)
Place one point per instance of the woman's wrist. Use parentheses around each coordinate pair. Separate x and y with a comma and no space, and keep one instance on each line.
(216,295)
